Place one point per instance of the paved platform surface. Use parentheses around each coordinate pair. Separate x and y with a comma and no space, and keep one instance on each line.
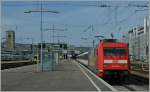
(66,77)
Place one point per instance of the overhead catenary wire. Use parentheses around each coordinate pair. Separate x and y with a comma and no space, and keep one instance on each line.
(104,6)
(123,20)
(99,4)
(109,19)
(126,18)
(118,22)
(72,4)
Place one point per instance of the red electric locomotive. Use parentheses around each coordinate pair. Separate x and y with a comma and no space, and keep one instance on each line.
(109,59)
(112,58)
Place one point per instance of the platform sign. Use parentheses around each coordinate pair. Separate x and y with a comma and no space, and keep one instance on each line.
(50,60)
(47,61)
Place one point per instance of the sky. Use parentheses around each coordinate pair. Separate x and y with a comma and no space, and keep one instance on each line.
(74,17)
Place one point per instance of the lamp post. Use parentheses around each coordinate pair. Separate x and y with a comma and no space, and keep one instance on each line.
(55,29)
(149,35)
(41,27)
(31,45)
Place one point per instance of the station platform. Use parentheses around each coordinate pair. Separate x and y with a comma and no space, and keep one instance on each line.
(68,75)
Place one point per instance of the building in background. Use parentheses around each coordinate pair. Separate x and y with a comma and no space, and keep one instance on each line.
(10,39)
(138,39)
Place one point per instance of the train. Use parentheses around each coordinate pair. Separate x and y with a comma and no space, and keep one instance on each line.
(109,59)
(12,56)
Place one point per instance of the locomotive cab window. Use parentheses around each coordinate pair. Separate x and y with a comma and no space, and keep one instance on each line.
(114,51)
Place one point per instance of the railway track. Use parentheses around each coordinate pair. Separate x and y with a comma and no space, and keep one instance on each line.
(124,88)
(132,83)
(119,87)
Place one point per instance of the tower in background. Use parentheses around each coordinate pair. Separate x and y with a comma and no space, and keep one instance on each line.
(10,39)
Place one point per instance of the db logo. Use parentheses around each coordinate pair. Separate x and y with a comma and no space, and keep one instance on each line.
(115,61)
